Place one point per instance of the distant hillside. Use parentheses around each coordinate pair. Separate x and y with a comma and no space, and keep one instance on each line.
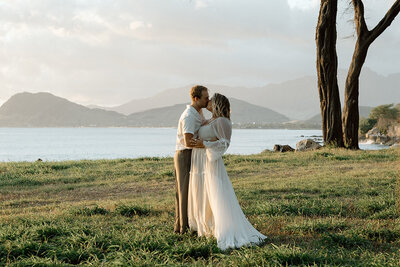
(363,111)
(47,110)
(242,112)
(283,97)
(297,99)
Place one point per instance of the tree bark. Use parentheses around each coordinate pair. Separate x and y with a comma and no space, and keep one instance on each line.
(350,109)
(364,40)
(327,74)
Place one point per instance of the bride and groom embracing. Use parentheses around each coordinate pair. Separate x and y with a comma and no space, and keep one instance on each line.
(205,200)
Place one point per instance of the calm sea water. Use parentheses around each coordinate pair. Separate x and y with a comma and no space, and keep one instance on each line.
(56,144)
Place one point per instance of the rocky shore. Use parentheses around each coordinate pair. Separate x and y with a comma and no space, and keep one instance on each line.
(390,138)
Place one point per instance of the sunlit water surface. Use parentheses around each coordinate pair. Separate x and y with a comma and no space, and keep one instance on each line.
(56,144)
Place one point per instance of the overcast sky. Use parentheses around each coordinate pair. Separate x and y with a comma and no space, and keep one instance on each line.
(108,52)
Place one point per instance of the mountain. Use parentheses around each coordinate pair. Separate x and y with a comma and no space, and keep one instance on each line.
(274,96)
(363,111)
(297,99)
(47,110)
(165,98)
(95,106)
(242,112)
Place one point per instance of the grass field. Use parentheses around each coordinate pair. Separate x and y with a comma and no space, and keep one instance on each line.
(325,207)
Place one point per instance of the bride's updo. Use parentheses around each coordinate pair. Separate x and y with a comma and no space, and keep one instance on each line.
(220,106)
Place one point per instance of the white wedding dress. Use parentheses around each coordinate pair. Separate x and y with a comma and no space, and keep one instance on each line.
(213,208)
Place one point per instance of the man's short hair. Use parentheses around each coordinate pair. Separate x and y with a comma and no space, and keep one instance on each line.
(196,91)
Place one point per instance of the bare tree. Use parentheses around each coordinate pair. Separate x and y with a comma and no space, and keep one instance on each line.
(327,71)
(327,74)
(365,38)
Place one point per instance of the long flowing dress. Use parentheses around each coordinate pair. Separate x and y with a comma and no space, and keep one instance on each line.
(213,208)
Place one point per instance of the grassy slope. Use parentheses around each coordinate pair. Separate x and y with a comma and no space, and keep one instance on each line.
(332,207)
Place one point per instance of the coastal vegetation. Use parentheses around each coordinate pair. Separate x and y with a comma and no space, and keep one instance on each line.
(382,117)
(324,207)
(382,125)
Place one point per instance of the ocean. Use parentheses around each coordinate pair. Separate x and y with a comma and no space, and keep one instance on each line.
(58,144)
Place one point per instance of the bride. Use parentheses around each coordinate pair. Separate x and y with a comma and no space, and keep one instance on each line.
(213,208)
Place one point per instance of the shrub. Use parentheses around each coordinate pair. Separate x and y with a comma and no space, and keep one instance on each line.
(383,125)
(384,111)
(366,125)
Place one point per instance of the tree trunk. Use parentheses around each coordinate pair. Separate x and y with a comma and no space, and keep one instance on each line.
(364,40)
(327,74)
(350,109)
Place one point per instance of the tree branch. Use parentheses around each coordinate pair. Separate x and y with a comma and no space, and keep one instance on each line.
(359,18)
(385,22)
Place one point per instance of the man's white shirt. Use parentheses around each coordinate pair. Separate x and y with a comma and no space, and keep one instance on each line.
(189,122)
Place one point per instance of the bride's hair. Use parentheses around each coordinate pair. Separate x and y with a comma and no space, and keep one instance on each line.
(221,106)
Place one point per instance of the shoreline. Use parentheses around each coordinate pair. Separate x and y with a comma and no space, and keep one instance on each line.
(161,157)
(153,127)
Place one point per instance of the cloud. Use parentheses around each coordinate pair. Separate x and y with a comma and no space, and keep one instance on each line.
(109,52)
(136,25)
(201,4)
(303,4)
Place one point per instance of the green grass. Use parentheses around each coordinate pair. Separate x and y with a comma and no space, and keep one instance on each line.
(326,207)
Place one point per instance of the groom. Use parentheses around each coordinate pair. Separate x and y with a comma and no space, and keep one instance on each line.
(189,124)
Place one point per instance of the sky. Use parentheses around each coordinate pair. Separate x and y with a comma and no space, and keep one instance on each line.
(107,52)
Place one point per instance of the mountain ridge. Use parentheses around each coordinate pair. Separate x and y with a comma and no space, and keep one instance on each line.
(47,110)
(296,98)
